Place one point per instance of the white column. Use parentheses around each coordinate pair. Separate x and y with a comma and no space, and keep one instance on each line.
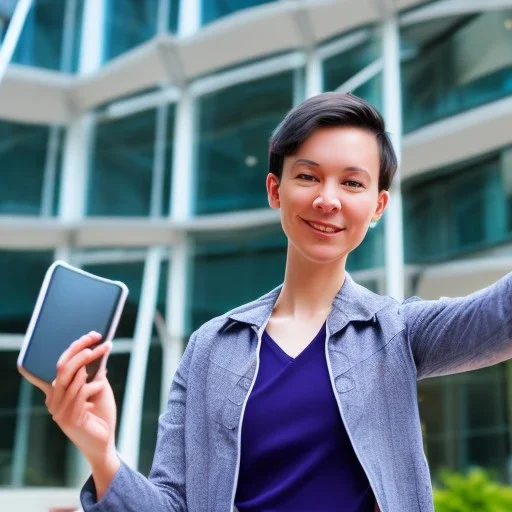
(75,167)
(189,17)
(13,34)
(394,252)
(176,304)
(182,171)
(313,74)
(22,433)
(129,432)
(183,181)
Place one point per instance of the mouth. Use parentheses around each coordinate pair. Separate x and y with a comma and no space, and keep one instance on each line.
(323,228)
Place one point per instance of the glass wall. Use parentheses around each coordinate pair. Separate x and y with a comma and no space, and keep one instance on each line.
(51,35)
(122,166)
(466,421)
(235,125)
(459,209)
(232,269)
(461,74)
(213,9)
(128,23)
(30,169)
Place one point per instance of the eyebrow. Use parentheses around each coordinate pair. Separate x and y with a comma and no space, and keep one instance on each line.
(316,164)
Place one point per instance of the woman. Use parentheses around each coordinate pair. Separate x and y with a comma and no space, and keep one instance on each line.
(304,399)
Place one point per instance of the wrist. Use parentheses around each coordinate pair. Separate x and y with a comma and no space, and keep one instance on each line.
(103,472)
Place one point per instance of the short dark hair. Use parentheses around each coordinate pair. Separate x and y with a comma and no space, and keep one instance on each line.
(331,109)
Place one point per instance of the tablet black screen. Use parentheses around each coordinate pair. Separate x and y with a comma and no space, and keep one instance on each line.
(75,304)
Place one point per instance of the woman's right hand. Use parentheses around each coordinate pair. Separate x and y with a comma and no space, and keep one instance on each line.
(85,411)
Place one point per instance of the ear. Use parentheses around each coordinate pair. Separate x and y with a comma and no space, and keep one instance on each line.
(382,202)
(273,190)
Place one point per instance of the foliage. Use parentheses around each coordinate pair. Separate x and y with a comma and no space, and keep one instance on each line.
(474,492)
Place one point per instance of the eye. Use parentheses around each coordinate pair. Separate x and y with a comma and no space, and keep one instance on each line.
(306,177)
(353,184)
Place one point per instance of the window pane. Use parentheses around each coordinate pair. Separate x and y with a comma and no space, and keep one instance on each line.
(128,24)
(21,275)
(41,39)
(458,210)
(465,420)
(22,160)
(9,395)
(230,273)
(339,68)
(371,91)
(370,253)
(460,74)
(122,165)
(235,125)
(213,9)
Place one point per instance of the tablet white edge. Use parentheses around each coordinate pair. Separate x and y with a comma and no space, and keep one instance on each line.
(42,295)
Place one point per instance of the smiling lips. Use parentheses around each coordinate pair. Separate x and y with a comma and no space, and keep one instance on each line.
(323,227)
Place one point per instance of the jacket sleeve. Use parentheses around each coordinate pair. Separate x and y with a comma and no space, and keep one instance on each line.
(460,334)
(164,490)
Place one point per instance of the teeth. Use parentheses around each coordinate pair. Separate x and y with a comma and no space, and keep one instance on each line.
(322,228)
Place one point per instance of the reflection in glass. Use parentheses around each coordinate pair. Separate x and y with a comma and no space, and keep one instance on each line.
(457,211)
(235,125)
(461,75)
(128,24)
(213,9)
(122,166)
(230,272)
(42,42)
(21,275)
(465,421)
(22,160)
(339,68)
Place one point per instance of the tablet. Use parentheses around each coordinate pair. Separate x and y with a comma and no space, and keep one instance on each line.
(71,303)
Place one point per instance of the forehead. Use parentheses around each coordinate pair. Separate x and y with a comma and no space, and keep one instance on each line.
(340,146)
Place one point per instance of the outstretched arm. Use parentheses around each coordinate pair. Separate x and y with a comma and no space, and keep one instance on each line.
(460,334)
(164,490)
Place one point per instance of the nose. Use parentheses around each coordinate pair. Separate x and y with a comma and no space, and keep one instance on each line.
(327,201)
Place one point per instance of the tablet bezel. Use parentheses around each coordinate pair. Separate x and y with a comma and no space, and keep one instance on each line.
(40,301)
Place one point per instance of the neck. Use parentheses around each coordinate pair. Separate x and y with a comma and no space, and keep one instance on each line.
(309,288)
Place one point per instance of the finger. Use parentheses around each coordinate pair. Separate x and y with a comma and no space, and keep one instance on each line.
(81,406)
(41,384)
(77,346)
(65,374)
(59,407)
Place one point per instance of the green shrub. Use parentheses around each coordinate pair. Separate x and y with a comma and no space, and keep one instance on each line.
(474,492)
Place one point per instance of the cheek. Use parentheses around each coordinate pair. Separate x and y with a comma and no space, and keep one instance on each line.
(359,208)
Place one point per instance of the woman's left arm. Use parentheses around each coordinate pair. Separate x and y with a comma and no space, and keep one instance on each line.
(460,334)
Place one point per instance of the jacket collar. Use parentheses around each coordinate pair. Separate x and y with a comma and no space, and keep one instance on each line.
(352,303)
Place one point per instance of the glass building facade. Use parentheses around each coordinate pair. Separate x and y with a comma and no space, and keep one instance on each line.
(156,178)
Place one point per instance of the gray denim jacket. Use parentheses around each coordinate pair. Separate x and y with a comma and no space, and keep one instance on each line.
(376,350)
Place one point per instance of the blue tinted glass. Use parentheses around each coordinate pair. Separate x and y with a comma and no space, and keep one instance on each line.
(370,253)
(128,24)
(458,211)
(45,40)
(371,91)
(235,125)
(21,275)
(343,66)
(22,160)
(229,272)
(122,165)
(461,75)
(213,9)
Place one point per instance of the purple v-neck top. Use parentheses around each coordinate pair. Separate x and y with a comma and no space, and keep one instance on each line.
(295,452)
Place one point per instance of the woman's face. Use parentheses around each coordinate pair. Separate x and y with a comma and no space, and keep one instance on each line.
(328,193)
